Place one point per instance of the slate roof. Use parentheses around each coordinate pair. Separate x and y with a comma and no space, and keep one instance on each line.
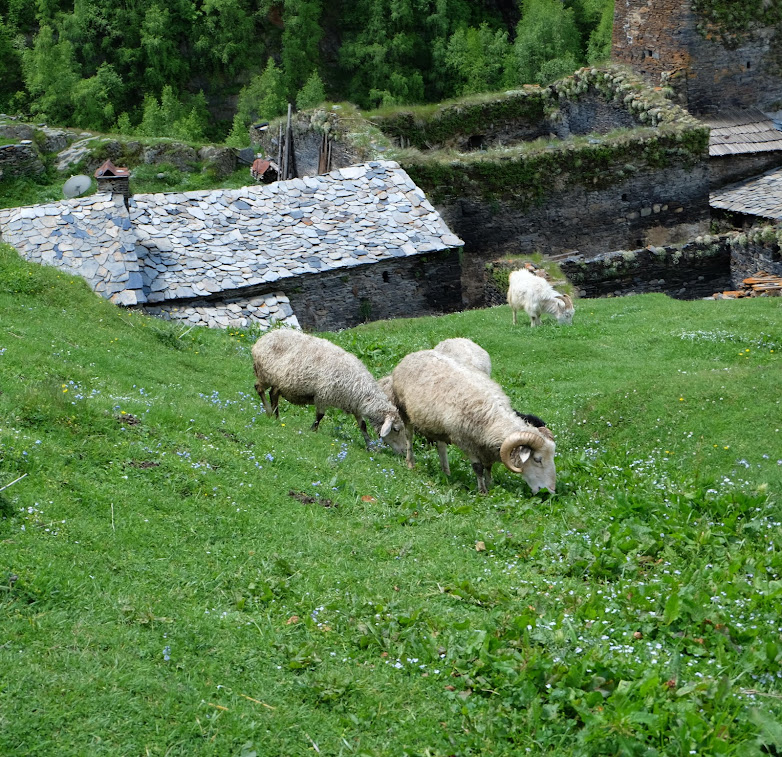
(172,246)
(760,196)
(195,244)
(738,131)
(88,236)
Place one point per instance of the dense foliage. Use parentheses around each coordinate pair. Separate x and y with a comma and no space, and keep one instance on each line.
(98,64)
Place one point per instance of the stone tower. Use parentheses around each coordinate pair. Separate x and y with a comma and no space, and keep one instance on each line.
(709,68)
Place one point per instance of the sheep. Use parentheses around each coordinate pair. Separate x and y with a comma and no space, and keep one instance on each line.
(469,354)
(307,370)
(535,295)
(452,404)
(466,352)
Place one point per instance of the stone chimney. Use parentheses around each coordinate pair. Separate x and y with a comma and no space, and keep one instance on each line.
(113,179)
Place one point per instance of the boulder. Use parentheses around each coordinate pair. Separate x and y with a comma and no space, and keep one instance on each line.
(179,155)
(221,160)
(17,131)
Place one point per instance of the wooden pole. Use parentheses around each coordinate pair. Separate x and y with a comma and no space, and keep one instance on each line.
(279,154)
(287,152)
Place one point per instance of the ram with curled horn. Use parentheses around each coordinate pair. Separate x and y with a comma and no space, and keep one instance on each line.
(447,402)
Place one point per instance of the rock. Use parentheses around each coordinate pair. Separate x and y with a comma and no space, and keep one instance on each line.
(181,156)
(221,160)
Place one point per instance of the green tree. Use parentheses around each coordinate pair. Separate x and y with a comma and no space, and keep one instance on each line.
(312,93)
(300,40)
(124,125)
(94,99)
(227,35)
(479,57)
(11,80)
(546,33)
(264,97)
(171,117)
(51,74)
(161,43)
(239,136)
(599,44)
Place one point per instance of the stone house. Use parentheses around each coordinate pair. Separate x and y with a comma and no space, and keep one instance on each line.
(360,243)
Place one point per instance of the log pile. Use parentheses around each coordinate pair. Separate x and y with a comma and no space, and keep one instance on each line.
(762,284)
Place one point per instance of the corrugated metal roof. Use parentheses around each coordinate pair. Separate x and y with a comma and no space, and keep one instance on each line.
(738,131)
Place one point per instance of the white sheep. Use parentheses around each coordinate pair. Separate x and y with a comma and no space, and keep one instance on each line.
(307,370)
(535,295)
(451,404)
(466,352)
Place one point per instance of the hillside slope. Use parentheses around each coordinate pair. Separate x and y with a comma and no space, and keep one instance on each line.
(181,575)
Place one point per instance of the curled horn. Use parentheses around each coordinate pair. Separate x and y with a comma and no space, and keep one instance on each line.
(520,439)
(568,301)
(546,431)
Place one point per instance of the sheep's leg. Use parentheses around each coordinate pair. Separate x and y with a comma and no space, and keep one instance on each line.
(262,394)
(442,450)
(318,418)
(513,310)
(362,424)
(487,476)
(274,398)
(479,474)
(410,458)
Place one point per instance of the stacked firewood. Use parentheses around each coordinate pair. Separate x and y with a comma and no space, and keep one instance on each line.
(762,284)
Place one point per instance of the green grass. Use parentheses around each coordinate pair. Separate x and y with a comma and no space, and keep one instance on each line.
(181,575)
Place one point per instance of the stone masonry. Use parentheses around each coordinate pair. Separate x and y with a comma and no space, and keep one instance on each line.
(211,254)
(662,40)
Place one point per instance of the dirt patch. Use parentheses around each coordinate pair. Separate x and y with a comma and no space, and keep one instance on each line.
(306,499)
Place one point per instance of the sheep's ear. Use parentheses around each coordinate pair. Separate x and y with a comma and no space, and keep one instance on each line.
(523,454)
(387,424)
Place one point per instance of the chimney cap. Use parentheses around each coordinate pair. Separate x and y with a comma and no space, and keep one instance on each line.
(109,170)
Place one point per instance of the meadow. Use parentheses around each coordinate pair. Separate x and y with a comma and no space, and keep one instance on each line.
(182,575)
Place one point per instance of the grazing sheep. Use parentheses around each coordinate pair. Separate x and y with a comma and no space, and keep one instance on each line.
(306,370)
(451,404)
(535,295)
(466,352)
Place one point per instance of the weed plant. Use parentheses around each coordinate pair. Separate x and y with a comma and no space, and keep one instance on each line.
(181,575)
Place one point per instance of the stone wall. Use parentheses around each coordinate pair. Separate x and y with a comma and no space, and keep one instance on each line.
(399,288)
(728,169)
(396,288)
(262,311)
(651,208)
(19,160)
(755,252)
(696,269)
(661,39)
(592,115)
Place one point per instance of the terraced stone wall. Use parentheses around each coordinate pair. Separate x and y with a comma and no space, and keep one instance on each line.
(758,250)
(19,160)
(689,271)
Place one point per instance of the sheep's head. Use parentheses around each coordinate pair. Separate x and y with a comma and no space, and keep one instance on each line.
(395,436)
(392,432)
(565,309)
(532,455)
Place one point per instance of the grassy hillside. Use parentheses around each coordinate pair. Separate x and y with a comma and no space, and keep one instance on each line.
(181,575)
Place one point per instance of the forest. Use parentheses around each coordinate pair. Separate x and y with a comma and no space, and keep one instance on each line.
(203,70)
